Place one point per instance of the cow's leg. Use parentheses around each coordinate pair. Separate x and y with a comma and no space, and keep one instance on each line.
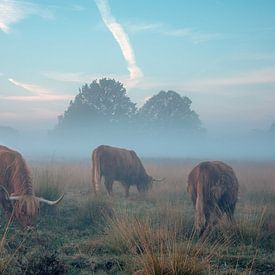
(109,186)
(206,227)
(212,216)
(127,188)
(216,216)
(230,215)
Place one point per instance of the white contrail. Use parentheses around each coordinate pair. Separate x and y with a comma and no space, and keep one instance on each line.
(121,37)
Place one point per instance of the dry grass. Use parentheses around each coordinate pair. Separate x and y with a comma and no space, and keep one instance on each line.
(155,249)
(151,235)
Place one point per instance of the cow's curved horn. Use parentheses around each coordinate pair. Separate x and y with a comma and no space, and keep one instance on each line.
(50,202)
(15,198)
(158,180)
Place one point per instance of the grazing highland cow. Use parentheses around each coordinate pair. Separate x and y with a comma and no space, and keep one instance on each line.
(116,164)
(213,187)
(16,191)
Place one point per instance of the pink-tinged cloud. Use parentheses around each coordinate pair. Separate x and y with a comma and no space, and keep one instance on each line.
(121,37)
(38,93)
(4,27)
(35,89)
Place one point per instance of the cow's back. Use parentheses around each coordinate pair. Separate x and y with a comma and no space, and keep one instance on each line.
(212,174)
(14,172)
(7,159)
(119,164)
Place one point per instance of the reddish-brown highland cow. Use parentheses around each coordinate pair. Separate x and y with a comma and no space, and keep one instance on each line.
(116,164)
(16,191)
(213,187)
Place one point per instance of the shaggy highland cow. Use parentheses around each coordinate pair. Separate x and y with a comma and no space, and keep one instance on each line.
(116,164)
(16,190)
(213,187)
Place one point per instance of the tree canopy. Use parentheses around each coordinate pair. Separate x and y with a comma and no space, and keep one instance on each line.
(103,101)
(104,105)
(169,110)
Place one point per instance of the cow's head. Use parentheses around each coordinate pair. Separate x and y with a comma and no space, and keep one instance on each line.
(147,184)
(25,207)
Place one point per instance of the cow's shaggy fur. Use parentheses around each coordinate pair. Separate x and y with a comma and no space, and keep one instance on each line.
(15,177)
(116,164)
(213,187)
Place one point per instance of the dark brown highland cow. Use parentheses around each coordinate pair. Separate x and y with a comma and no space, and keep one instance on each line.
(116,164)
(213,187)
(16,190)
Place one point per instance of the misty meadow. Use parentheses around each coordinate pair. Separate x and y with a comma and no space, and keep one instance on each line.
(137,137)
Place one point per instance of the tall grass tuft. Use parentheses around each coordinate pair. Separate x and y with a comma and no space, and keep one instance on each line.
(156,250)
(46,185)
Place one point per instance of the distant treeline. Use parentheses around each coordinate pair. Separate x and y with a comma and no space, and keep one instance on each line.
(104,107)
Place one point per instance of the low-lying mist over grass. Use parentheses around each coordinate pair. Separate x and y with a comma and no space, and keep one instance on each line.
(142,235)
(206,146)
(165,126)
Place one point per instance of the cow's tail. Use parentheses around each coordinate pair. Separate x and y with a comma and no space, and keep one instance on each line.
(200,203)
(96,175)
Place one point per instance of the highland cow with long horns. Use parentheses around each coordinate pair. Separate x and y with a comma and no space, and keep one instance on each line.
(16,190)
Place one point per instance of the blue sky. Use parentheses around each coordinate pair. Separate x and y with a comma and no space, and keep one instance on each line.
(220,53)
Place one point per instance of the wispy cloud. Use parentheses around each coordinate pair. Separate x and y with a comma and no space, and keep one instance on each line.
(38,93)
(143,27)
(77,7)
(121,37)
(192,34)
(81,77)
(78,77)
(215,84)
(30,87)
(261,76)
(244,84)
(12,11)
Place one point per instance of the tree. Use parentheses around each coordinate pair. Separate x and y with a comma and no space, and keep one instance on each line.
(103,102)
(169,111)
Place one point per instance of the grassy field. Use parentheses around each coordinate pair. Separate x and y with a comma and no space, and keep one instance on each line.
(140,235)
